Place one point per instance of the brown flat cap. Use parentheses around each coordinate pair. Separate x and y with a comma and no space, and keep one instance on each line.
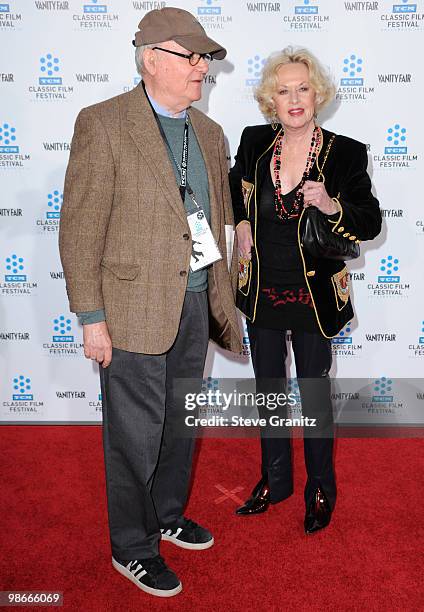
(181,26)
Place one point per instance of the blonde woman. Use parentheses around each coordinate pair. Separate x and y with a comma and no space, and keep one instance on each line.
(282,168)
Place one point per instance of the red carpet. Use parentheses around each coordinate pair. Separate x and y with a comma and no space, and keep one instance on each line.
(54,533)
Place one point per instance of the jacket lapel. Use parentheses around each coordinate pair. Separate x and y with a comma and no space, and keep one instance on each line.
(209,152)
(145,133)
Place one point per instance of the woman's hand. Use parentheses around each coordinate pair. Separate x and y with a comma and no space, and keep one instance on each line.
(315,194)
(244,239)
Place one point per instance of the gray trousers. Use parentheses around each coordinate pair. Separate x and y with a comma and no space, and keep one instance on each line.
(147,464)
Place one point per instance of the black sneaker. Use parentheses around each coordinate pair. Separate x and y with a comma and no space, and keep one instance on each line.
(150,575)
(188,534)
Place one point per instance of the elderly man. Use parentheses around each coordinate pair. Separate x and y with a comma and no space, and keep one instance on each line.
(147,180)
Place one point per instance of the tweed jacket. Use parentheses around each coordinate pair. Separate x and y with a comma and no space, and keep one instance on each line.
(342,164)
(124,238)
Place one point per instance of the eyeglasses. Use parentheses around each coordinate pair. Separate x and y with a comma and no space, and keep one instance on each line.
(193,58)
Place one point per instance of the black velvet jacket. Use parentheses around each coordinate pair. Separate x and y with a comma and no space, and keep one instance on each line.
(342,164)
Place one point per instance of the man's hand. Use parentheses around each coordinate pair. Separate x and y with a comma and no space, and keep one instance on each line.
(244,239)
(97,343)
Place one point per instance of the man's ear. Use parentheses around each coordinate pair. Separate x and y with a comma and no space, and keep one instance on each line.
(149,61)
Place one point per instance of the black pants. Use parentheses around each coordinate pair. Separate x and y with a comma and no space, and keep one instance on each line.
(312,353)
(147,463)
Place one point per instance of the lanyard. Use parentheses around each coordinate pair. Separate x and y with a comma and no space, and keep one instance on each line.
(182,168)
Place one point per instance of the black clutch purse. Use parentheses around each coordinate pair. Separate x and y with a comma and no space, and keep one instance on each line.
(321,242)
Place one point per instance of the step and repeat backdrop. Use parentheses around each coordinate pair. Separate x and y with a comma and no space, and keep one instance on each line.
(59,56)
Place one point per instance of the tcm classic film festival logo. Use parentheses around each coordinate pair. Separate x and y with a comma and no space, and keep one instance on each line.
(343,344)
(250,78)
(417,350)
(389,283)
(48,223)
(11,155)
(136,80)
(16,281)
(404,16)
(397,154)
(295,409)
(305,15)
(50,85)
(22,398)
(10,21)
(352,86)
(63,342)
(246,341)
(383,399)
(213,15)
(95,14)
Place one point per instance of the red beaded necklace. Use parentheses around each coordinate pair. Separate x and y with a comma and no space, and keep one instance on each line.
(280,209)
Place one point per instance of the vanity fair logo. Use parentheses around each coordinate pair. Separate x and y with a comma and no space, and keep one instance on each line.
(51,5)
(352,86)
(7,77)
(15,336)
(343,345)
(402,16)
(23,400)
(95,15)
(50,85)
(148,6)
(16,281)
(11,155)
(263,7)
(304,15)
(212,15)
(392,213)
(91,78)
(48,224)
(396,154)
(417,350)
(63,340)
(9,20)
(72,395)
(361,7)
(389,280)
(395,78)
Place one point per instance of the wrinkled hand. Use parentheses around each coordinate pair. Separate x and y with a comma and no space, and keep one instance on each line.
(97,343)
(244,239)
(315,194)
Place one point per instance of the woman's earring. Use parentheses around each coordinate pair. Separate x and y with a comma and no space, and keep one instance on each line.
(274,121)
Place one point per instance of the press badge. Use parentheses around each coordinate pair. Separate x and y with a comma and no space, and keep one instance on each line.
(204,250)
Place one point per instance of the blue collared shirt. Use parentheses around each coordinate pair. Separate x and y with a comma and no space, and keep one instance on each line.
(163,111)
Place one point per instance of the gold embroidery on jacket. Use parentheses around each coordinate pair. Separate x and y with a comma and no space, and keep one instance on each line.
(244,269)
(246,189)
(341,287)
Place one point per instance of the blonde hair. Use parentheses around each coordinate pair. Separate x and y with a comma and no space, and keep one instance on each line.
(319,78)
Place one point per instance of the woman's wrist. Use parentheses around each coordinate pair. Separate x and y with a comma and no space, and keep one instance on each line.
(241,222)
(334,207)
